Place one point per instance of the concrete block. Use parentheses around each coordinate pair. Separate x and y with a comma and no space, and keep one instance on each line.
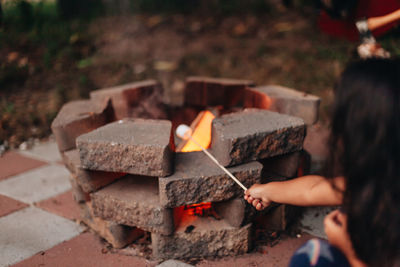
(277,218)
(117,235)
(133,201)
(206,91)
(138,100)
(89,181)
(255,134)
(77,193)
(237,212)
(197,179)
(79,117)
(284,165)
(199,237)
(135,146)
(284,100)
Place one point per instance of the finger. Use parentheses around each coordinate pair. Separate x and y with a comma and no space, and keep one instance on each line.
(246,197)
(342,219)
(250,199)
(259,206)
(255,202)
(331,215)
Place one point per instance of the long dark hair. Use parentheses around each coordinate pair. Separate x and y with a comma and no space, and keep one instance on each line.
(365,149)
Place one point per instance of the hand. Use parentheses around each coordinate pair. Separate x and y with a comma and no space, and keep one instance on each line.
(335,224)
(256,196)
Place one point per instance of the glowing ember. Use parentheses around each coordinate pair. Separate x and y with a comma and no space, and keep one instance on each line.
(201,133)
(201,209)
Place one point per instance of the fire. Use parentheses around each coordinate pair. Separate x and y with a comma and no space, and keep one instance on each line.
(201,133)
(200,209)
(201,127)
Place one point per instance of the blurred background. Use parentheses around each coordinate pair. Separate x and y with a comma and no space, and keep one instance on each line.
(55,51)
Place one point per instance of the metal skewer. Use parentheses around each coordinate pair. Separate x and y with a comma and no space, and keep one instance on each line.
(185,132)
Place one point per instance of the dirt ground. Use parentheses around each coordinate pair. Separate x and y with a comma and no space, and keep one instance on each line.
(284,47)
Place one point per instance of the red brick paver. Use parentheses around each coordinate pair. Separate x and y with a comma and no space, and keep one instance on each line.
(12,163)
(9,205)
(83,250)
(62,205)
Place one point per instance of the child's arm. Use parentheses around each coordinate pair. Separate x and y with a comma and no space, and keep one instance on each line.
(309,190)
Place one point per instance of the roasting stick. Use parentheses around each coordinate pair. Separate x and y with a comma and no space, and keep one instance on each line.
(185,132)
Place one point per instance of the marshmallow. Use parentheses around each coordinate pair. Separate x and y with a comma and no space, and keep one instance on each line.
(184,132)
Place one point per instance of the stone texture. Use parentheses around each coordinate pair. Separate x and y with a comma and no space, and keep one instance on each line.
(285,165)
(12,163)
(197,179)
(255,134)
(277,255)
(205,91)
(278,217)
(117,235)
(133,201)
(197,237)
(89,181)
(78,194)
(134,146)
(139,99)
(79,117)
(237,212)
(284,100)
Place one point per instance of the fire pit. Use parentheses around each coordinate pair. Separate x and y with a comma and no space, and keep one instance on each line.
(131,175)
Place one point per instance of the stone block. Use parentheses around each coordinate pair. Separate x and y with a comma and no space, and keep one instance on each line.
(139,99)
(135,146)
(205,91)
(278,217)
(197,179)
(284,100)
(77,192)
(79,117)
(255,134)
(237,212)
(89,181)
(199,237)
(117,235)
(285,165)
(134,201)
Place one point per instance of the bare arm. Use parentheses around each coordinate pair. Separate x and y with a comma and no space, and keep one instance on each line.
(377,22)
(311,190)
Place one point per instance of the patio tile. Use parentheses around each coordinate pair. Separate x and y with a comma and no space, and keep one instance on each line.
(47,151)
(36,185)
(84,250)
(31,230)
(62,205)
(276,256)
(9,205)
(12,163)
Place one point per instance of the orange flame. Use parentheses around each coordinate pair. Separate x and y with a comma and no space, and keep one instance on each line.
(201,133)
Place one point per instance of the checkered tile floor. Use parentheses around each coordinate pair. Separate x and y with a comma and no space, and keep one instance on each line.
(39,220)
